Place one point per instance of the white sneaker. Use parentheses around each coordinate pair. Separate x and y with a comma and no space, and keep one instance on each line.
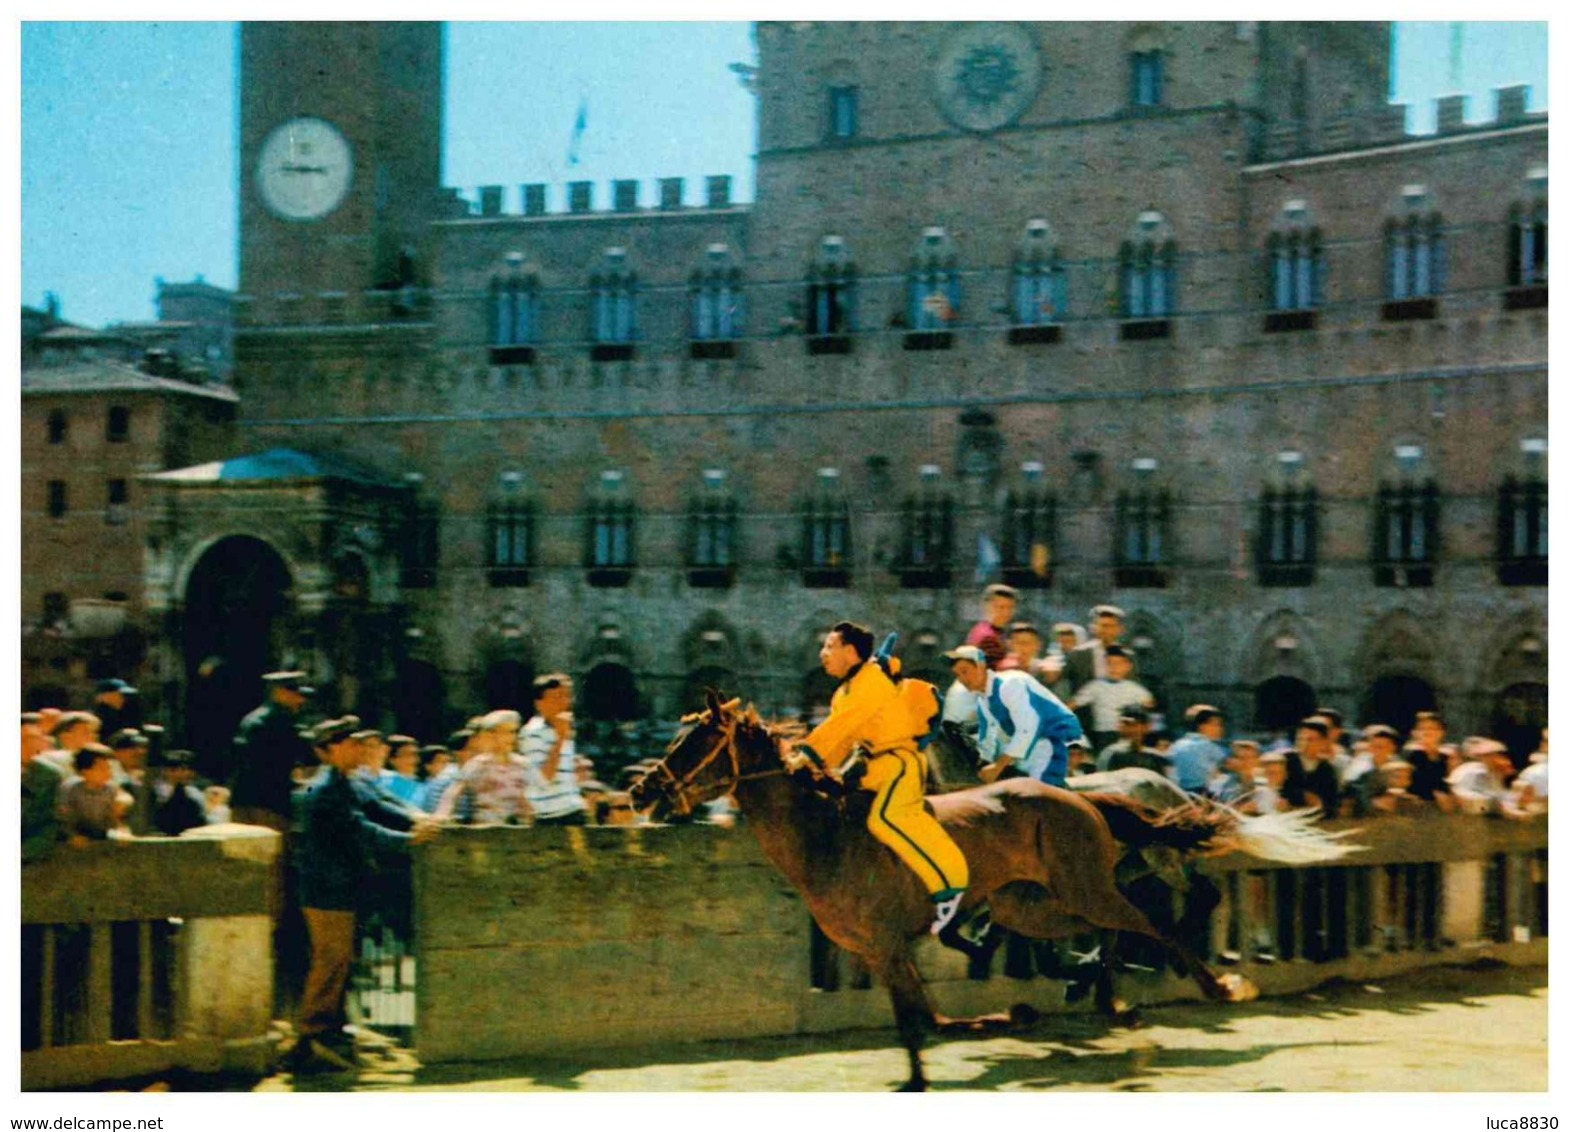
(945,911)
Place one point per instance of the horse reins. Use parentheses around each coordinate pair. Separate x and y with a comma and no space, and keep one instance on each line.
(677,787)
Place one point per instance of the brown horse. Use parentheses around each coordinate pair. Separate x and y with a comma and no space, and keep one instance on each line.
(1043,857)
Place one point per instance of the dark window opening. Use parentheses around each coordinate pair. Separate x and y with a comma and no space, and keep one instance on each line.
(1405,535)
(1287,543)
(844,111)
(118,510)
(420,546)
(57,426)
(926,544)
(1142,555)
(1029,537)
(1522,532)
(57,499)
(1149,78)
(118,429)
(826,544)
(610,553)
(510,543)
(711,547)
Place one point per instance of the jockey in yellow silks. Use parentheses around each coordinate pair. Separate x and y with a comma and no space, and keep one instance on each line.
(870,711)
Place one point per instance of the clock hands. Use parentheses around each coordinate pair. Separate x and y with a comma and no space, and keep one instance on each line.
(290,167)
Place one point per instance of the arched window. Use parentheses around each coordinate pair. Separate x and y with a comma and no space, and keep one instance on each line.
(1294,256)
(830,299)
(614,289)
(1528,246)
(1142,552)
(1522,518)
(1029,532)
(825,534)
(509,529)
(514,315)
(711,533)
(419,537)
(609,550)
(1414,250)
(716,305)
(1040,287)
(926,535)
(1286,546)
(1148,273)
(1405,523)
(933,293)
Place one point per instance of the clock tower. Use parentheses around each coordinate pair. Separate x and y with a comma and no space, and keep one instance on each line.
(340,150)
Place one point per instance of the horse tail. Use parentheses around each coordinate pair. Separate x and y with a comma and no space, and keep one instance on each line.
(1212,829)
(1196,828)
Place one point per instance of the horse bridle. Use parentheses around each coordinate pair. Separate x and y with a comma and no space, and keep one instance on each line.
(676,789)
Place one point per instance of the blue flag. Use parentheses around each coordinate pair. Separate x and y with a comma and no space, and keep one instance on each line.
(577,132)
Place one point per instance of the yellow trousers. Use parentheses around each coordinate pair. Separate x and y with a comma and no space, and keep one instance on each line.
(900,821)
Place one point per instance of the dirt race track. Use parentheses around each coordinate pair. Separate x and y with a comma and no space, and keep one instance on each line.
(1448,1029)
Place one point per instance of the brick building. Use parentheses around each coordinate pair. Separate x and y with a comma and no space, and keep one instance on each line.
(91,425)
(1174,315)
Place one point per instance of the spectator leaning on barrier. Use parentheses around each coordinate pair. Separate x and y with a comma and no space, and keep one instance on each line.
(1530,786)
(128,771)
(491,787)
(41,783)
(1481,784)
(550,751)
(335,848)
(1269,793)
(1429,769)
(1198,754)
(1238,777)
(1366,783)
(1310,776)
(1339,756)
(441,778)
(90,805)
(72,731)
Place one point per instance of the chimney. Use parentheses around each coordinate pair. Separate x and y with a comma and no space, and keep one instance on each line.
(623,195)
(1451,113)
(719,192)
(1509,103)
(52,306)
(490,200)
(580,196)
(670,192)
(533,200)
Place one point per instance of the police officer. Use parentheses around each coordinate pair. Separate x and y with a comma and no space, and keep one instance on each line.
(267,749)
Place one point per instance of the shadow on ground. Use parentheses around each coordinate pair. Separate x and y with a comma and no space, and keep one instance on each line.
(1075,1050)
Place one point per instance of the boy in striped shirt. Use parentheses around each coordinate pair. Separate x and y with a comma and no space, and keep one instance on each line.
(548,749)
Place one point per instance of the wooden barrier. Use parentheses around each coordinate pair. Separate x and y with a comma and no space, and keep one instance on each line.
(143,956)
(533,942)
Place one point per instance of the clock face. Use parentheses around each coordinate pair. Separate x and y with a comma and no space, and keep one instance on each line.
(304,169)
(987,75)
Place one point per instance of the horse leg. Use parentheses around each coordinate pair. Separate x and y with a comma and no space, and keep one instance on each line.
(1110,909)
(1106,1000)
(912,1012)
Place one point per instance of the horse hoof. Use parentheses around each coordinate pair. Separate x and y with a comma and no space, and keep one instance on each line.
(1023,1014)
(1237,988)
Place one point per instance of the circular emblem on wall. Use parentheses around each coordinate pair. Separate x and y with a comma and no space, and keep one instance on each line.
(304,169)
(987,75)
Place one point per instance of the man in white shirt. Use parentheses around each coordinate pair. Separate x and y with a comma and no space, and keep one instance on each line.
(1024,727)
(551,755)
(1480,784)
(1107,696)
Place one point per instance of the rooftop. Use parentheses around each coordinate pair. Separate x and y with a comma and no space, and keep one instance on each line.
(112,377)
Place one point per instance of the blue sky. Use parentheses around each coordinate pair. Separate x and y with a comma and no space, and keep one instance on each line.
(129,169)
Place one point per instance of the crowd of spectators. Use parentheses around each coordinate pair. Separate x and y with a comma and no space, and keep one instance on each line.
(1322,764)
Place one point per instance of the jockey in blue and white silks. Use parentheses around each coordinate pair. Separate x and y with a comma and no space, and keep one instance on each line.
(1022,725)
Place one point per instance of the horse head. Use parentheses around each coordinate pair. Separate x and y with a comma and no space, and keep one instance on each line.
(705,760)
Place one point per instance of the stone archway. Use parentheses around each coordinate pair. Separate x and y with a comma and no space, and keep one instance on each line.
(1281,702)
(509,683)
(694,690)
(419,705)
(1395,700)
(236,606)
(609,694)
(1519,713)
